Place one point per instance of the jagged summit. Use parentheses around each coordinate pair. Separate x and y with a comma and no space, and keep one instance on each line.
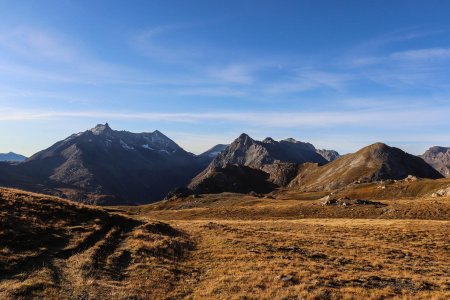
(279,160)
(249,152)
(101,128)
(244,139)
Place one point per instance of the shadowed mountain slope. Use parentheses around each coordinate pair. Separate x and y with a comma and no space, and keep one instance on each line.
(105,166)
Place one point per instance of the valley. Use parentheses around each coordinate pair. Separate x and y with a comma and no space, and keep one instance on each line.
(224,150)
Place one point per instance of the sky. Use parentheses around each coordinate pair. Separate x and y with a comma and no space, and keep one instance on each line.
(338,74)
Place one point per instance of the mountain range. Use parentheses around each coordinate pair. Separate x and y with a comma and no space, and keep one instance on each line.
(104,166)
(298,165)
(109,167)
(267,163)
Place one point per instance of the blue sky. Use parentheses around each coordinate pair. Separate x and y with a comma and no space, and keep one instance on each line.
(339,74)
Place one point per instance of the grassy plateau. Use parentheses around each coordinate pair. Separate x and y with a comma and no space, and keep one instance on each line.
(286,245)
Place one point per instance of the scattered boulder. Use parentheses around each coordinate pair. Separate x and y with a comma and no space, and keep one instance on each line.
(411,178)
(287,279)
(441,193)
(367,202)
(180,192)
(348,202)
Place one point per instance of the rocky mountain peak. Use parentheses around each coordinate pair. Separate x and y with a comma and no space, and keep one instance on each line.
(329,155)
(268,140)
(290,140)
(438,149)
(244,139)
(101,129)
(439,158)
(106,165)
(377,149)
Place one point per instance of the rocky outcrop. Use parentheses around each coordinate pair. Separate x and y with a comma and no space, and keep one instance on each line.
(329,155)
(438,158)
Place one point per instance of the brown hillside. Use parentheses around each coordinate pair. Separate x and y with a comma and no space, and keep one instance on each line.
(55,249)
(372,163)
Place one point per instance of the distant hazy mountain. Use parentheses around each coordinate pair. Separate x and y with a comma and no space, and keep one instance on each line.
(278,159)
(329,155)
(438,158)
(372,163)
(11,156)
(102,165)
(214,151)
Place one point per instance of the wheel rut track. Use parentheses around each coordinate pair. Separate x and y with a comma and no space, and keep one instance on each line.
(123,226)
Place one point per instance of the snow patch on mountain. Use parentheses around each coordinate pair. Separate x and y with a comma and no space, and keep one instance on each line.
(125,146)
(146,146)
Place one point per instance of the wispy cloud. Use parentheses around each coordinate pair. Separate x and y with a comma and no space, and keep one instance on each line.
(153,43)
(423,54)
(234,73)
(34,43)
(310,79)
(45,55)
(400,118)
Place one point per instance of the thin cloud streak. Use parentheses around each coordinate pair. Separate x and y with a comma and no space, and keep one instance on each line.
(423,54)
(361,118)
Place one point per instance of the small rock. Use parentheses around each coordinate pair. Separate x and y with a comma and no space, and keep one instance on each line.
(285,278)
(411,178)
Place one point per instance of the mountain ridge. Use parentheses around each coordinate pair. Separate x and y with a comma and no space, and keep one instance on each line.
(371,163)
(278,159)
(104,166)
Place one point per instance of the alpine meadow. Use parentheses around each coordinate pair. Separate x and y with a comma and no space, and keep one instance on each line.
(241,149)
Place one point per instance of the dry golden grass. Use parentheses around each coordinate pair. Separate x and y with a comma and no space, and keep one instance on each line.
(287,206)
(320,259)
(225,246)
(55,249)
